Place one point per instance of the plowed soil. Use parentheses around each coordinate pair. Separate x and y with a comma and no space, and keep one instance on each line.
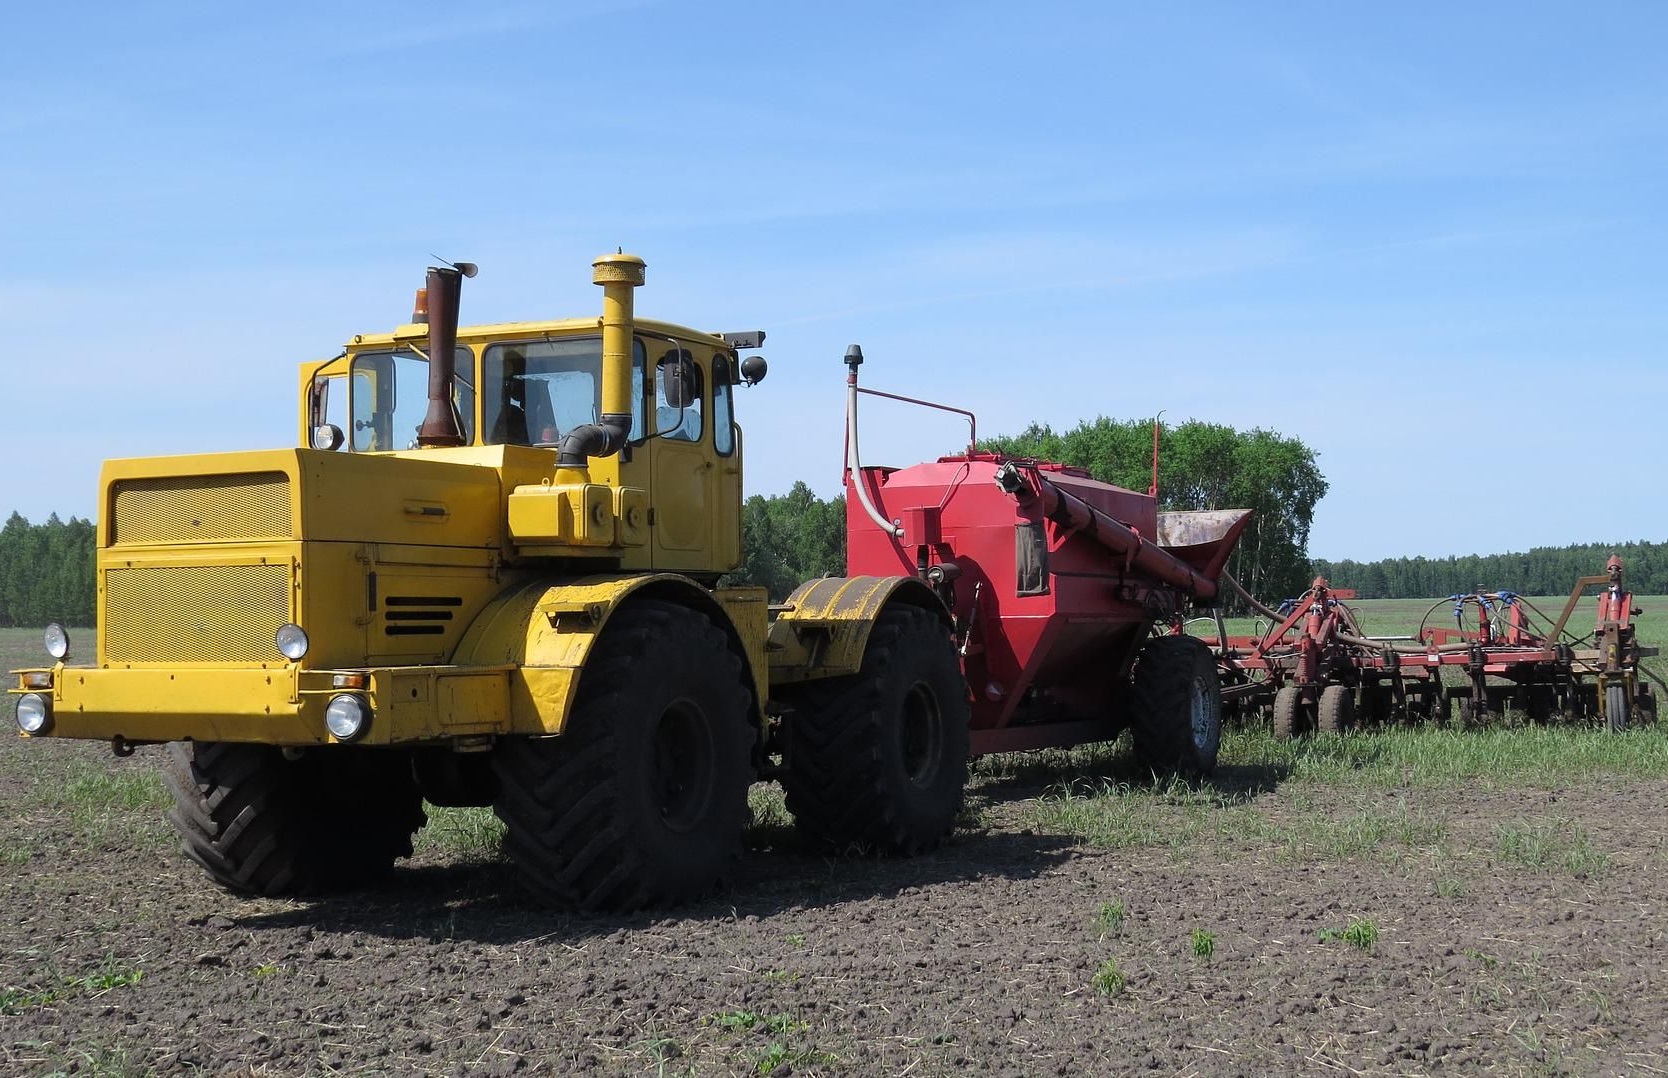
(1523,935)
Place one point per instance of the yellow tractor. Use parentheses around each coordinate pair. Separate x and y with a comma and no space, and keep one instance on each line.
(490,578)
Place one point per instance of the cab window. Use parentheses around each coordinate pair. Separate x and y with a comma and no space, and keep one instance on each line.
(723,408)
(678,389)
(389,398)
(537,391)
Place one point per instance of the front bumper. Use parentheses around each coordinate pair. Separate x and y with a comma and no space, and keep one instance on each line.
(285,705)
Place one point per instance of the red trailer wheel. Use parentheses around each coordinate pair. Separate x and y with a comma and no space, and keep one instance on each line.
(1177,725)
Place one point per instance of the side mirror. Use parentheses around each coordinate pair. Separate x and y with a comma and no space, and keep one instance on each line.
(753,370)
(328,436)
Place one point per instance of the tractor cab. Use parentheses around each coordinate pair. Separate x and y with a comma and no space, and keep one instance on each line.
(543,385)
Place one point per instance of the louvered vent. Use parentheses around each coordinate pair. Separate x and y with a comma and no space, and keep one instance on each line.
(194,613)
(418,615)
(201,508)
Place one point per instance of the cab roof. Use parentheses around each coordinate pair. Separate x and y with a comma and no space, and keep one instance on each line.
(565,327)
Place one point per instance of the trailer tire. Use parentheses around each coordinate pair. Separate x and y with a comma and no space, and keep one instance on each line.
(1288,713)
(641,800)
(1337,710)
(1616,706)
(877,761)
(337,818)
(1177,697)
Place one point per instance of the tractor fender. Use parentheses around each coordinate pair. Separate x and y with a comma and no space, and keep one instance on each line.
(544,631)
(824,626)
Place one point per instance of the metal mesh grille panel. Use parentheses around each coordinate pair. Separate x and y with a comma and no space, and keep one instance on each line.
(201,508)
(194,613)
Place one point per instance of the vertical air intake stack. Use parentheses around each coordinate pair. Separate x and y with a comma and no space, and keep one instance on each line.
(618,274)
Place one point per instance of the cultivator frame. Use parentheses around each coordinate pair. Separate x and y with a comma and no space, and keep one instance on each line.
(1315,670)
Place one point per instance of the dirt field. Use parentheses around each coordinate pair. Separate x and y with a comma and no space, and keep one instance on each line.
(1254,927)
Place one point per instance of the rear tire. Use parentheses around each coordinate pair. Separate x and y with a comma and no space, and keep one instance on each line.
(643,797)
(1177,725)
(1337,710)
(338,817)
(877,761)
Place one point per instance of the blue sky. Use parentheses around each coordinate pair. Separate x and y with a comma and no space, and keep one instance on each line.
(1426,239)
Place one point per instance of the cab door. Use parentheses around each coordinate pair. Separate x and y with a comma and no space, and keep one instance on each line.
(726,444)
(685,492)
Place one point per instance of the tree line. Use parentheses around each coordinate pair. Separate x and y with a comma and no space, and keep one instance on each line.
(47,572)
(1538,571)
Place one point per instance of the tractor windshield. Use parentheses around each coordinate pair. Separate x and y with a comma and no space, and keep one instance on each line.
(390,397)
(536,391)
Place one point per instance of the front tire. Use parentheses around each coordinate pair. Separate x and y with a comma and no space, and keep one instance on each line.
(337,818)
(642,799)
(1177,725)
(877,761)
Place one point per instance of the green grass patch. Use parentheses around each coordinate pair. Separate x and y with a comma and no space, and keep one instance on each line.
(1445,757)
(1359,933)
(780,1055)
(17,1000)
(1109,980)
(462,834)
(1109,919)
(769,808)
(779,1025)
(1119,816)
(1122,816)
(1204,943)
(126,789)
(1556,845)
(119,804)
(1366,831)
(1450,887)
(780,1052)
(108,975)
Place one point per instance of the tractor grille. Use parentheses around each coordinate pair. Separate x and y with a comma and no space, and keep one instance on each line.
(194,613)
(201,508)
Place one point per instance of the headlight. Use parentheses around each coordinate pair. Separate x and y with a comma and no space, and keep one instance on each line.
(347,718)
(57,641)
(292,642)
(34,713)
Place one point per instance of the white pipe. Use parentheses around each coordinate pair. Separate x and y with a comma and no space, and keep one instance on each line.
(856,470)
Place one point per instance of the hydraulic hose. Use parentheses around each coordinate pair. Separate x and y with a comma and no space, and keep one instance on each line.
(1251,600)
(854,356)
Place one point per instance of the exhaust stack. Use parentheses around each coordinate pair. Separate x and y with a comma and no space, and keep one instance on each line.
(445,285)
